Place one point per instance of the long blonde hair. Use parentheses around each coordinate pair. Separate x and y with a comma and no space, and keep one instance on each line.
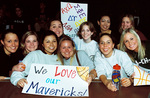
(141,48)
(60,56)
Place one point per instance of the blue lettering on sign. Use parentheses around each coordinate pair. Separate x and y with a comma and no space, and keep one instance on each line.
(52,81)
(72,18)
(52,91)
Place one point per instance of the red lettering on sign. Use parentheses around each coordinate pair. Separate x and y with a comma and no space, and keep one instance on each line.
(65,72)
(66,9)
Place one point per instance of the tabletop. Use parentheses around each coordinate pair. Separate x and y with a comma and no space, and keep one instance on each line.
(96,90)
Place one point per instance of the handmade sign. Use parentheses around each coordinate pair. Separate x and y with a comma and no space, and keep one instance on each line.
(72,15)
(52,80)
(141,77)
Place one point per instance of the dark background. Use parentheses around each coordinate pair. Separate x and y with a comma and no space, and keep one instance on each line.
(96,8)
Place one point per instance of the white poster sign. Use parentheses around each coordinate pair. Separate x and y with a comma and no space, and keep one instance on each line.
(52,80)
(72,15)
(141,77)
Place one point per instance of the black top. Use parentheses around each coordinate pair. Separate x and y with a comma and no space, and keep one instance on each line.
(145,62)
(8,61)
(20,25)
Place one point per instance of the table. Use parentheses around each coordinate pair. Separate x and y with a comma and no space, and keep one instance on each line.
(96,90)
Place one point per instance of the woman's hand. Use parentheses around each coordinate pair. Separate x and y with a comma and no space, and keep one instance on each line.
(22,82)
(89,80)
(2,77)
(107,83)
(110,86)
(126,82)
(19,67)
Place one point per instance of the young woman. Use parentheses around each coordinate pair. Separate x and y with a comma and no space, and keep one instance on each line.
(47,55)
(8,52)
(29,43)
(104,23)
(127,23)
(85,39)
(137,50)
(68,55)
(57,27)
(107,58)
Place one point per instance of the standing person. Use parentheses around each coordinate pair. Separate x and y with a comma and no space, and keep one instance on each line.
(20,22)
(47,55)
(29,43)
(4,19)
(57,27)
(128,22)
(137,50)
(8,52)
(41,19)
(104,23)
(85,39)
(68,55)
(107,58)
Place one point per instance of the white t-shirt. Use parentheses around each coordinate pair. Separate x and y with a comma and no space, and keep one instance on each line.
(90,48)
(104,66)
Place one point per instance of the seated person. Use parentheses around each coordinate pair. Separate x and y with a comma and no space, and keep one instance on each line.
(8,52)
(68,55)
(138,51)
(47,55)
(29,43)
(107,57)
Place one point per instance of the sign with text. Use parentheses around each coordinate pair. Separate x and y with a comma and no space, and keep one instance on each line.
(141,77)
(52,80)
(72,15)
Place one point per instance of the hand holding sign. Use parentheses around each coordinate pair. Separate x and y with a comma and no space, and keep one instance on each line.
(22,82)
(57,80)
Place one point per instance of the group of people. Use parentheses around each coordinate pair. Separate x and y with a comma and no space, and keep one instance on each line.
(99,53)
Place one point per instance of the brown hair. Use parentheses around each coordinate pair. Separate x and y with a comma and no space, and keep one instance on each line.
(91,27)
(131,19)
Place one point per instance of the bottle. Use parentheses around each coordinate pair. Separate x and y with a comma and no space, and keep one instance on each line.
(116,76)
(24,66)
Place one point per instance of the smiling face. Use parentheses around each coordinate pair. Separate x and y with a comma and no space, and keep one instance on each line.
(11,43)
(131,42)
(104,23)
(31,43)
(126,23)
(86,33)
(50,44)
(106,46)
(56,27)
(66,49)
